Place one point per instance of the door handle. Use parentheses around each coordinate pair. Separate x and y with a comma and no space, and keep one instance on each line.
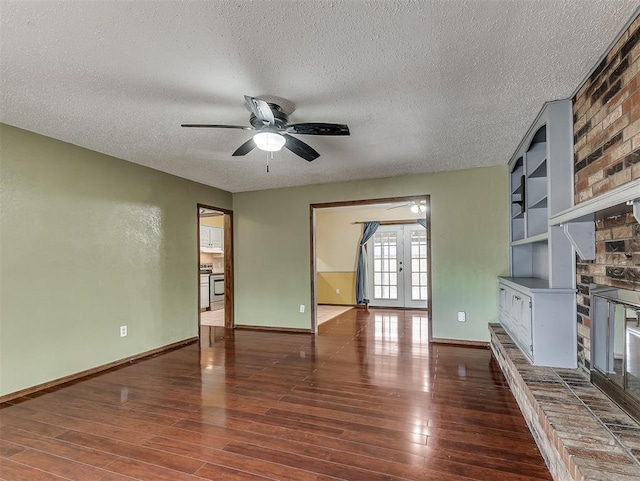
(400,270)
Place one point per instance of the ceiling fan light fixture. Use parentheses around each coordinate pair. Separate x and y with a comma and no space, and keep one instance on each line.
(269,141)
(418,208)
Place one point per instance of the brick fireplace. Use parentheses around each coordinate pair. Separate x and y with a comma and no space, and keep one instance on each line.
(607,155)
(581,433)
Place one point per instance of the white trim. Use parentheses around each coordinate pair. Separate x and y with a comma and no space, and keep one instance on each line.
(585,210)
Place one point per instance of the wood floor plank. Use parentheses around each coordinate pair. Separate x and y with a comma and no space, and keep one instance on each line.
(65,468)
(367,399)
(57,447)
(251,437)
(134,451)
(313,465)
(139,470)
(216,457)
(14,471)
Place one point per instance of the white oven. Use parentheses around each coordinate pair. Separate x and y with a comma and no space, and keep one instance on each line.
(216,287)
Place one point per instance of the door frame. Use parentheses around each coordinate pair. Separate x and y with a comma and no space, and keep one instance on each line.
(355,203)
(229,317)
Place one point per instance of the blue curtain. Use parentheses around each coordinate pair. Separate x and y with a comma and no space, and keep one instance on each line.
(423,222)
(362,291)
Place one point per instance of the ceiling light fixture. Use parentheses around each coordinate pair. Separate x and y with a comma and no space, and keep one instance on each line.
(269,141)
(418,208)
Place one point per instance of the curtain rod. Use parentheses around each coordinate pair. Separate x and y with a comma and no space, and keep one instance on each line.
(391,222)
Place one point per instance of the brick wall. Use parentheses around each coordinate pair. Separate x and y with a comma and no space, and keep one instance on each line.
(607,120)
(606,114)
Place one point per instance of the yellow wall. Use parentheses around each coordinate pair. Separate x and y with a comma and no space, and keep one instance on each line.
(468,247)
(328,282)
(217,221)
(88,243)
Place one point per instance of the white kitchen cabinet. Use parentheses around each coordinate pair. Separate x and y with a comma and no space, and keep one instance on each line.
(538,301)
(211,239)
(204,291)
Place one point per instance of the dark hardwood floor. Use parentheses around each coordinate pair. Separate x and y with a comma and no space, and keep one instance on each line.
(368,399)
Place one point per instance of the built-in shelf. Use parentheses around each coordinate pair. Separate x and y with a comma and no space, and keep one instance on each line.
(530,240)
(536,157)
(541,171)
(539,204)
(537,302)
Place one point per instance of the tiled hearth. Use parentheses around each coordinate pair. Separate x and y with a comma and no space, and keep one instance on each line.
(581,434)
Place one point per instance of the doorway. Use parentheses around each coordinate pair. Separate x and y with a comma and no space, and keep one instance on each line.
(398,272)
(215,270)
(336,230)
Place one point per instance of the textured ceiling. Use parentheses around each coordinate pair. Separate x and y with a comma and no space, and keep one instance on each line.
(424,86)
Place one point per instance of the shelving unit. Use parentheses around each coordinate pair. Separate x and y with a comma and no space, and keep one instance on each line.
(537,301)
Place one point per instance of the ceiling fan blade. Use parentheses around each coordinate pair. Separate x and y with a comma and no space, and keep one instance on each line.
(397,206)
(217,126)
(299,148)
(245,148)
(261,110)
(318,128)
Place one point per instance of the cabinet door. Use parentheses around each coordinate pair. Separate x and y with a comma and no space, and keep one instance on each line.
(526,325)
(504,305)
(521,319)
(216,237)
(204,236)
(204,291)
(204,296)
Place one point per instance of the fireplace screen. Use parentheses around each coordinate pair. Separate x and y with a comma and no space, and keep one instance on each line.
(615,345)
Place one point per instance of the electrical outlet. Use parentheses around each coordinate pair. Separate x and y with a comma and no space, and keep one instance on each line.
(123,331)
(337,291)
(462,317)
(302,308)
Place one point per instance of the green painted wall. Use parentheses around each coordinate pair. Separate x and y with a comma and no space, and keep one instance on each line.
(88,243)
(469,247)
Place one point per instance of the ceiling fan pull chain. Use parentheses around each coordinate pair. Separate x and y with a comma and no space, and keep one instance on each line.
(269,154)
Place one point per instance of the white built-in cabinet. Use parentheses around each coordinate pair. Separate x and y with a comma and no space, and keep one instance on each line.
(211,238)
(537,303)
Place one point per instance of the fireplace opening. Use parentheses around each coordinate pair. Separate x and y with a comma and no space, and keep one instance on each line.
(615,346)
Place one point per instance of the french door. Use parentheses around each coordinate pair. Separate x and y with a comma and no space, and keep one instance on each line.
(398,266)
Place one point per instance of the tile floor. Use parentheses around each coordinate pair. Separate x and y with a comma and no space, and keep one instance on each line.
(325,313)
(212,318)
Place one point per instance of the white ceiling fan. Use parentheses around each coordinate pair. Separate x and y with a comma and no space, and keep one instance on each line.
(415,206)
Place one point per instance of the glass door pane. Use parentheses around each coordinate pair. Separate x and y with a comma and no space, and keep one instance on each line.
(385,266)
(418,265)
(633,352)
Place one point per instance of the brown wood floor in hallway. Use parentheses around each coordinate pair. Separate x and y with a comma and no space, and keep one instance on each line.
(368,399)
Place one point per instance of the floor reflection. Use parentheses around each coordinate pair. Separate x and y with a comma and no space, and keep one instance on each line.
(367,399)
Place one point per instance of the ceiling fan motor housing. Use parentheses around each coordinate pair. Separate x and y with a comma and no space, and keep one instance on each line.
(281,119)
